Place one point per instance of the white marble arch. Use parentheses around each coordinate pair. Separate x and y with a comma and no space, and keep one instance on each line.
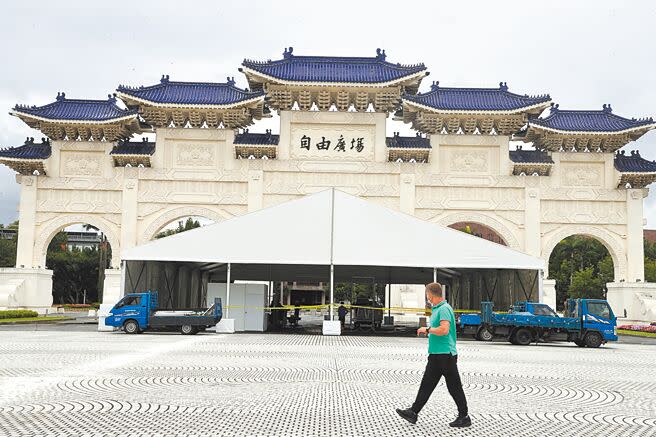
(483,219)
(156,225)
(51,227)
(610,240)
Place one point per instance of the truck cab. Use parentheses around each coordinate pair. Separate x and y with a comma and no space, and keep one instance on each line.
(596,316)
(132,307)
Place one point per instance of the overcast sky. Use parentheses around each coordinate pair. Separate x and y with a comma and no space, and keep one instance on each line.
(584,54)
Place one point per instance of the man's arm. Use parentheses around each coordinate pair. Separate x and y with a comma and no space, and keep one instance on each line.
(443,329)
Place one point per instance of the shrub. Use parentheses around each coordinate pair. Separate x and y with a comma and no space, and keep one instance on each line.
(17,314)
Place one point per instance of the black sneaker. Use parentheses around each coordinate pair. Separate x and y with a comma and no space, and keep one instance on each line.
(408,415)
(461,422)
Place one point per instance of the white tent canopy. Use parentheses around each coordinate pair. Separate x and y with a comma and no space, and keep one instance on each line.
(333,228)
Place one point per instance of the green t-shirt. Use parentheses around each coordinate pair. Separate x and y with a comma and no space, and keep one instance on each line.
(442,344)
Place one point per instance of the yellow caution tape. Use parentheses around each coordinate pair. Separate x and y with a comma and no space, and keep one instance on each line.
(320,307)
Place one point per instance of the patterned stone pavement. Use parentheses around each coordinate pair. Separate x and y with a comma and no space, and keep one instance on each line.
(89,383)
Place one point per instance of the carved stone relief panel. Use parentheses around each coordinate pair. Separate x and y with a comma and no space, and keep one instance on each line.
(583,211)
(469,159)
(192,192)
(581,174)
(82,163)
(581,193)
(79,201)
(470,198)
(197,155)
(355,183)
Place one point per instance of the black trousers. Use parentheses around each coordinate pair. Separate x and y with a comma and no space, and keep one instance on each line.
(441,365)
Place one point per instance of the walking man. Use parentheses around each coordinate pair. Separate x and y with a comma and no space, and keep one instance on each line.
(442,359)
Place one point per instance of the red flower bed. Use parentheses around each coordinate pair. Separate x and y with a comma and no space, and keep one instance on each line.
(640,328)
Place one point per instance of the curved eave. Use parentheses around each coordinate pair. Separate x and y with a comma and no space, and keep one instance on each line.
(139,100)
(644,128)
(531,108)
(266,78)
(637,173)
(22,115)
(4,158)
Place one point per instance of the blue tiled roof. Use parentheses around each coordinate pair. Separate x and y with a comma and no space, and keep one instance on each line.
(77,109)
(633,163)
(255,139)
(475,99)
(133,148)
(589,121)
(332,69)
(191,93)
(520,156)
(29,150)
(416,142)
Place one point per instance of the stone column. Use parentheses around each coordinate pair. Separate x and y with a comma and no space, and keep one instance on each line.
(128,210)
(549,292)
(27,222)
(255,189)
(285,135)
(380,148)
(407,193)
(634,236)
(532,237)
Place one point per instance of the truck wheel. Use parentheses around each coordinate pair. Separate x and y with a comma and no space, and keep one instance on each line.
(523,337)
(187,330)
(131,327)
(593,339)
(579,343)
(484,334)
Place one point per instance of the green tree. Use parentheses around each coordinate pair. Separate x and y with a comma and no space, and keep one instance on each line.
(587,284)
(75,274)
(8,247)
(189,224)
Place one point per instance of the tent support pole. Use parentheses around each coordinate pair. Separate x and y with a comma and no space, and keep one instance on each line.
(434,274)
(389,292)
(227,309)
(332,289)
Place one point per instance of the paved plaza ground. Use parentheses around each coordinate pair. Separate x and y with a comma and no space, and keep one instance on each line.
(89,383)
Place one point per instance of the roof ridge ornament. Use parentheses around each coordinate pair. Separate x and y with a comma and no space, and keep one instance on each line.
(288,53)
(165,78)
(61,96)
(435,85)
(111,98)
(554,107)
(607,108)
(380,54)
(503,86)
(231,81)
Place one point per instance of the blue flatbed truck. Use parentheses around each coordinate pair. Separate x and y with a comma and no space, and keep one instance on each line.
(137,312)
(586,322)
